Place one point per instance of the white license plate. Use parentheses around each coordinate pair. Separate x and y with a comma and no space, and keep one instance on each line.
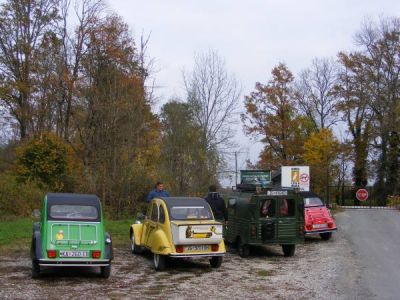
(320,225)
(197,248)
(74,253)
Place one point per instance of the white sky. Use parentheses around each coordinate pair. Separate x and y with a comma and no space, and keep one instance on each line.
(252,36)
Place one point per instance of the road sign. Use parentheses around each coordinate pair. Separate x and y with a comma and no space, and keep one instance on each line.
(362,194)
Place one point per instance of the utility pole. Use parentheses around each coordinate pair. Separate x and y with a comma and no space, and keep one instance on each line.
(236,169)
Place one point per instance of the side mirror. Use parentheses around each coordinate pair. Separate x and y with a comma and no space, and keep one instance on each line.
(36,213)
(231,202)
(140,217)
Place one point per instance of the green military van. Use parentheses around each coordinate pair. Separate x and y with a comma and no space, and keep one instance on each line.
(71,234)
(261,216)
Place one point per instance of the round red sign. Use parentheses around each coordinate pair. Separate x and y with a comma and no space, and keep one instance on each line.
(362,194)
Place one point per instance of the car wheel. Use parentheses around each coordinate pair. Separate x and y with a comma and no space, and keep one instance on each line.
(35,269)
(288,250)
(105,271)
(160,262)
(135,249)
(326,235)
(216,261)
(243,249)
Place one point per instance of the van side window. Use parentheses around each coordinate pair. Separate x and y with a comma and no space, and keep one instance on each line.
(154,213)
(267,209)
(161,218)
(286,207)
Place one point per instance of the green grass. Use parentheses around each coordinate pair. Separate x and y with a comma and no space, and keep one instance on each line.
(17,233)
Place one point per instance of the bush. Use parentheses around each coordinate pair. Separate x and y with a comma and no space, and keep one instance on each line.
(18,199)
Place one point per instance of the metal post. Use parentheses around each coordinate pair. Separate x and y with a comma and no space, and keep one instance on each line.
(236,170)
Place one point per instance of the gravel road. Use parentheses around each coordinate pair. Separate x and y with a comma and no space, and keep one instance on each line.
(319,270)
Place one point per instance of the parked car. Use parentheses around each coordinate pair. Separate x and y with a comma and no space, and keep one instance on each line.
(318,218)
(178,227)
(260,217)
(71,233)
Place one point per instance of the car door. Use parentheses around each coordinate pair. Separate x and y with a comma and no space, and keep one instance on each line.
(152,220)
(287,223)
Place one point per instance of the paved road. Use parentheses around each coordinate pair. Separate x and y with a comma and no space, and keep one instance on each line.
(374,236)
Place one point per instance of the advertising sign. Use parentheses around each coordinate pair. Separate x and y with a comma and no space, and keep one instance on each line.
(296,177)
(256,177)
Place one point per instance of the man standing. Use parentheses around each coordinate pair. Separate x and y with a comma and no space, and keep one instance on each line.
(217,205)
(157,192)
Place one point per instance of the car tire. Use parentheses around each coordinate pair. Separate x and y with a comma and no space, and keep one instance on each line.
(216,261)
(35,269)
(135,249)
(326,235)
(159,261)
(243,249)
(105,271)
(288,250)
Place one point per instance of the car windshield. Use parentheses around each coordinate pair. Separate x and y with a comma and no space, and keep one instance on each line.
(313,201)
(66,211)
(190,212)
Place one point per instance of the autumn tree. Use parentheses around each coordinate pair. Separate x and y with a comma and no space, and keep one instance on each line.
(271,114)
(314,93)
(380,51)
(353,88)
(119,135)
(25,26)
(321,150)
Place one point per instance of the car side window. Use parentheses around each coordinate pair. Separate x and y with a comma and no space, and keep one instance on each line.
(149,210)
(154,213)
(267,209)
(286,207)
(161,214)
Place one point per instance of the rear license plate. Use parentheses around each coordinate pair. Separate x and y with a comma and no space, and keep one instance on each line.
(320,226)
(74,253)
(197,248)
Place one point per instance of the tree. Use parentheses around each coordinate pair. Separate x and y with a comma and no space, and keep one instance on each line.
(271,114)
(213,95)
(44,160)
(24,25)
(183,156)
(321,150)
(314,93)
(353,88)
(118,134)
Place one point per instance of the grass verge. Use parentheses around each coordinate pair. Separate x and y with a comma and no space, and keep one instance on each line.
(17,233)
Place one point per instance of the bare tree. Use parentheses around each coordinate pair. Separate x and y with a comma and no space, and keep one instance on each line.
(213,95)
(314,93)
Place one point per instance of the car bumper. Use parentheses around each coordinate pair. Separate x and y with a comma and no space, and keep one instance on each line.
(320,231)
(194,255)
(74,263)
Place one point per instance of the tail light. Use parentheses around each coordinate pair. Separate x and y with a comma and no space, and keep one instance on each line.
(96,253)
(309,227)
(214,247)
(51,253)
(179,249)
(253,230)
(330,225)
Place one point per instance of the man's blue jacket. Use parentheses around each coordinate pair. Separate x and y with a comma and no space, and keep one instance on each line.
(154,193)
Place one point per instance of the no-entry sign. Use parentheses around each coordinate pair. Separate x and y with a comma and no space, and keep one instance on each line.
(362,194)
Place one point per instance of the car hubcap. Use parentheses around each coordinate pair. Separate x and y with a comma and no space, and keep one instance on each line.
(132,242)
(156,260)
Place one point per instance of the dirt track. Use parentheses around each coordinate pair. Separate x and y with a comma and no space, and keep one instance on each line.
(314,272)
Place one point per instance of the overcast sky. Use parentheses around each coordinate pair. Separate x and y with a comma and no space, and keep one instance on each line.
(252,36)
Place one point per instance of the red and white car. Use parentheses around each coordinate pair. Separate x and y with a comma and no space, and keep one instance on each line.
(317,217)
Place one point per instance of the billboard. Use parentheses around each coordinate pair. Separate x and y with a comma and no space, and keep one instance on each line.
(296,177)
(256,177)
